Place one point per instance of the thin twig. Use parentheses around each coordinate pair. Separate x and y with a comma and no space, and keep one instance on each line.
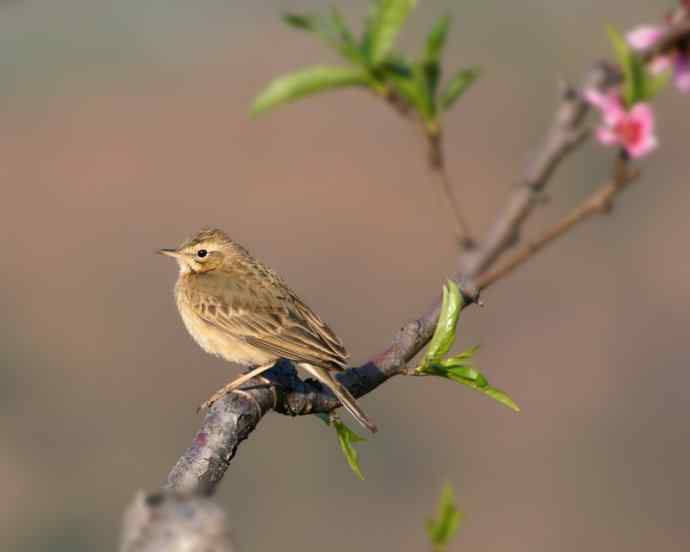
(568,131)
(437,165)
(433,141)
(600,202)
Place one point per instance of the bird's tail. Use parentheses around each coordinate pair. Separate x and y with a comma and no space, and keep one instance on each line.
(327,377)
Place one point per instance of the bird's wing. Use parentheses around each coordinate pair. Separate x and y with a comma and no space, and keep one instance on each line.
(278,323)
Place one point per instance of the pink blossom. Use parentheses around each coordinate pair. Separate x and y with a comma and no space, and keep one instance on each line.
(645,36)
(633,130)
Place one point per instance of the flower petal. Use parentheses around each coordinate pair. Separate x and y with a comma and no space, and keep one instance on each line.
(644,36)
(609,104)
(643,147)
(644,115)
(607,136)
(660,64)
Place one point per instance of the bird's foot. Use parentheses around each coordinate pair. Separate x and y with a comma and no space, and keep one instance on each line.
(231,386)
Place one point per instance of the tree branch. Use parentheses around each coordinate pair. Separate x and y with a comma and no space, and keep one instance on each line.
(567,132)
(675,37)
(437,166)
(232,419)
(433,141)
(600,202)
(174,522)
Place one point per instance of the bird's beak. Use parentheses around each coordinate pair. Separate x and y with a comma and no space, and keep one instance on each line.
(170,253)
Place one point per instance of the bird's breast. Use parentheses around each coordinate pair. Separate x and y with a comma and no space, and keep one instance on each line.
(216,341)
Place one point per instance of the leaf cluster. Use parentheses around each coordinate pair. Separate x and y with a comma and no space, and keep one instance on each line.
(459,368)
(373,63)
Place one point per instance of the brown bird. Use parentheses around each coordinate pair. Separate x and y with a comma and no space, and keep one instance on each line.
(240,310)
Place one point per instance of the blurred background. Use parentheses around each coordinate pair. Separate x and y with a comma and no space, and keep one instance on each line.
(124,127)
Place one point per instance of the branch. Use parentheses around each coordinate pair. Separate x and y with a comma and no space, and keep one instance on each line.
(567,132)
(172,522)
(437,165)
(600,202)
(232,419)
(675,36)
(433,138)
(183,518)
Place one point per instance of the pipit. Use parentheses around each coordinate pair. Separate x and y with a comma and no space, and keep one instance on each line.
(240,310)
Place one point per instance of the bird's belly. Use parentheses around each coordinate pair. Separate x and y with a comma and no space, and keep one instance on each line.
(217,342)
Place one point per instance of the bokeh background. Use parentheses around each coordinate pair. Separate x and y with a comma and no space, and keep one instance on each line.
(124,127)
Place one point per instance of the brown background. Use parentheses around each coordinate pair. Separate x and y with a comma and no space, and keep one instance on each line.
(124,128)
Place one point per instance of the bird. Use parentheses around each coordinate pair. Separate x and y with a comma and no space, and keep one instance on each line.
(237,308)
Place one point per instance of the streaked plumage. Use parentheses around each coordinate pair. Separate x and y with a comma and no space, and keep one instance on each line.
(237,308)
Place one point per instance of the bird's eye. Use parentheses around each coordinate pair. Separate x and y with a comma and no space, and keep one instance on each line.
(201,253)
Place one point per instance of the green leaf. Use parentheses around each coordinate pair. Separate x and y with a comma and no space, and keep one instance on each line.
(635,75)
(365,43)
(460,369)
(347,438)
(501,397)
(458,85)
(656,83)
(331,29)
(639,83)
(430,64)
(444,334)
(432,75)
(620,45)
(437,40)
(426,76)
(398,66)
(408,81)
(384,23)
(408,88)
(482,385)
(342,29)
(442,529)
(294,86)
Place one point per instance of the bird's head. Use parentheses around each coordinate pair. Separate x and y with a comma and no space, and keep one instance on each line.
(207,250)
